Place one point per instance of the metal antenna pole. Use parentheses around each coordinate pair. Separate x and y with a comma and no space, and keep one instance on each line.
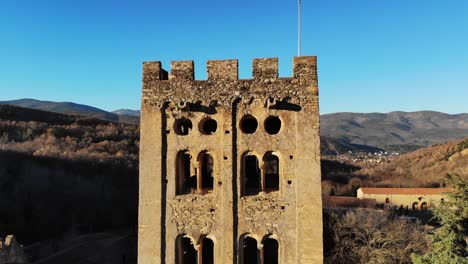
(298,27)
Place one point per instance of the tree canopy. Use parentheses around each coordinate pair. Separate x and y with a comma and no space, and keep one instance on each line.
(449,241)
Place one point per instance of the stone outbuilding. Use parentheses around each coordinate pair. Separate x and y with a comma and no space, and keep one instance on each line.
(229,167)
(408,198)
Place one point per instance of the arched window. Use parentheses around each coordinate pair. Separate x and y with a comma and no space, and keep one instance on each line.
(270,251)
(387,200)
(250,252)
(414,206)
(271,172)
(185,251)
(251,175)
(185,182)
(206,170)
(424,206)
(207,251)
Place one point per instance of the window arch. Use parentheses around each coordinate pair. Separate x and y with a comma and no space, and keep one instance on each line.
(186,182)
(207,251)
(206,163)
(424,206)
(192,178)
(414,206)
(387,200)
(270,250)
(271,172)
(250,252)
(185,250)
(251,175)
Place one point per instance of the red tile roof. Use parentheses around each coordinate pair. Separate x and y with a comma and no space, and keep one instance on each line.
(421,191)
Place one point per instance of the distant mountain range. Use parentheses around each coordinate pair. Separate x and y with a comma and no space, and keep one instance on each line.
(127,112)
(123,116)
(399,131)
(341,132)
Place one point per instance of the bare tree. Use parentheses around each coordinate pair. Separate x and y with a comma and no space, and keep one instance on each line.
(369,236)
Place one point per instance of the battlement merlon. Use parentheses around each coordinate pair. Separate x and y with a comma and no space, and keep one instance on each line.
(223,69)
(305,67)
(152,71)
(265,68)
(182,70)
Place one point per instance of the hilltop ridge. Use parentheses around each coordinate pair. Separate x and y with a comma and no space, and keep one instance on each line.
(74,109)
(395,131)
(425,167)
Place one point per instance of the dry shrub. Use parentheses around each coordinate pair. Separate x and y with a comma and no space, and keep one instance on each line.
(369,236)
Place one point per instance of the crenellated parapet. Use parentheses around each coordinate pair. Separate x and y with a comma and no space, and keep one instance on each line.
(224,86)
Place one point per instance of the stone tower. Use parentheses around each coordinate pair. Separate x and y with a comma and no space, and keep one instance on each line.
(230,168)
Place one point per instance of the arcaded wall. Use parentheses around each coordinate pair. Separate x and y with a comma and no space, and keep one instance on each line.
(407,200)
(290,215)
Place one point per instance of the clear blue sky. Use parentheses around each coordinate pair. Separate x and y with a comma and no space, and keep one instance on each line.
(374,55)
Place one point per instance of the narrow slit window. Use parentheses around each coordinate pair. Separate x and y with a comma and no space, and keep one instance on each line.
(186,253)
(270,251)
(207,251)
(251,175)
(250,252)
(207,167)
(271,172)
(186,182)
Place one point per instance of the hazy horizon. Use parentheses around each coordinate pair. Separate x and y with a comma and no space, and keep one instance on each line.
(321,113)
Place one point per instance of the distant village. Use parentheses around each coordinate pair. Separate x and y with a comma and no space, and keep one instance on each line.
(364,157)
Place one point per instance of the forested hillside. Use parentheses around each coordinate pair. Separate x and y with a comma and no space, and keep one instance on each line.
(422,168)
(63,175)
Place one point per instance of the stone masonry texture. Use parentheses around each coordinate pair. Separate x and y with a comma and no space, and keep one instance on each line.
(292,214)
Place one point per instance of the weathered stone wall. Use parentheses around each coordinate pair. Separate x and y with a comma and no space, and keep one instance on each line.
(292,214)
